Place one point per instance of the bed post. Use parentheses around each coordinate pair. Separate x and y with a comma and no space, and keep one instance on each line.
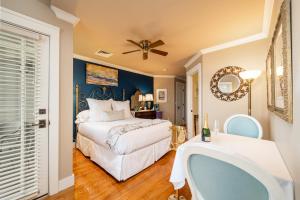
(77,109)
(77,98)
(123,94)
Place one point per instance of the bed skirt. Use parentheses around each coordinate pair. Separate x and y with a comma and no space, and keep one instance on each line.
(122,167)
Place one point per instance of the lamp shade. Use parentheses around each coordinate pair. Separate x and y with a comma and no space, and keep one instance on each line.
(141,97)
(250,74)
(149,97)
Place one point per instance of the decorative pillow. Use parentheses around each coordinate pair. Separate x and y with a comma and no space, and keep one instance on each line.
(97,107)
(122,105)
(83,116)
(112,116)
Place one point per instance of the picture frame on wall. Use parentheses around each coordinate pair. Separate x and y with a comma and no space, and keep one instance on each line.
(161,96)
(101,75)
(279,67)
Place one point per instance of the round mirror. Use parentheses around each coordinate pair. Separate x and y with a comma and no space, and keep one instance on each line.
(229,83)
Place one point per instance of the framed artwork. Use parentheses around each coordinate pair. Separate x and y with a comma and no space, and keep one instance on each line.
(101,75)
(161,96)
(279,67)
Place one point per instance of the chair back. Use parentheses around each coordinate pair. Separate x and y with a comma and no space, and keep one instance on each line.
(215,174)
(243,125)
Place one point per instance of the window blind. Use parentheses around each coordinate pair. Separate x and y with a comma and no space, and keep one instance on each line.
(19,102)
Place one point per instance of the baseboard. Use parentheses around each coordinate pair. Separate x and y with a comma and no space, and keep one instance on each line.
(66,182)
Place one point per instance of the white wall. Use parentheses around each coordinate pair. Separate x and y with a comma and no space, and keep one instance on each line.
(167,108)
(287,136)
(248,56)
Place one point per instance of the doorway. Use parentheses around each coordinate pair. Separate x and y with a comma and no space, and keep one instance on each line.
(180,103)
(194,101)
(24,93)
(36,26)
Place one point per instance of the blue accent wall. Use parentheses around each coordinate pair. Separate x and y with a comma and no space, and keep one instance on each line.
(127,80)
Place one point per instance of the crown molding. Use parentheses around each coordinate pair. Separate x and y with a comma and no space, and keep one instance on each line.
(65,16)
(268,11)
(180,78)
(193,59)
(100,62)
(268,8)
(234,43)
(170,76)
(164,76)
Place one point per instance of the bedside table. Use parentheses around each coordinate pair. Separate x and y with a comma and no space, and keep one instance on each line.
(159,115)
(145,114)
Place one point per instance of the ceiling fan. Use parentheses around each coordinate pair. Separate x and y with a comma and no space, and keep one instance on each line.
(146,46)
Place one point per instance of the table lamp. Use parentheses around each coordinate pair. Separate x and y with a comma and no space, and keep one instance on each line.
(249,76)
(149,99)
(142,100)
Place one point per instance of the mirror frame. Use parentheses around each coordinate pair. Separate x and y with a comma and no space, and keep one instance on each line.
(237,94)
(284,20)
(270,81)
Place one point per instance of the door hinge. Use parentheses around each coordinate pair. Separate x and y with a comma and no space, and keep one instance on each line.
(48,122)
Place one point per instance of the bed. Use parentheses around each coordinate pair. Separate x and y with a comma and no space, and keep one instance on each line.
(129,153)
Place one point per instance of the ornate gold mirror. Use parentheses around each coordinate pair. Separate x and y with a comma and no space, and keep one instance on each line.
(135,104)
(227,85)
(279,67)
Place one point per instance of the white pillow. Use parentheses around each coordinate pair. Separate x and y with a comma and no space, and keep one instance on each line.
(82,117)
(112,116)
(122,105)
(97,107)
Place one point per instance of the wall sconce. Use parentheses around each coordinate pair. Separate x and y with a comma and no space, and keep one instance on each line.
(249,76)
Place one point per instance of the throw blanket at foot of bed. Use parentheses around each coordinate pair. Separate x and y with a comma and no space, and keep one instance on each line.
(115,132)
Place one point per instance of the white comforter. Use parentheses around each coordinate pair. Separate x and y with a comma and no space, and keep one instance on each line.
(129,142)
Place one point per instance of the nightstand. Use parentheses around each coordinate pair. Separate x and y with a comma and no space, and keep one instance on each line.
(145,114)
(159,115)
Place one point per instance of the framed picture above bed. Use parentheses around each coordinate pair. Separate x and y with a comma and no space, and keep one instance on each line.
(101,75)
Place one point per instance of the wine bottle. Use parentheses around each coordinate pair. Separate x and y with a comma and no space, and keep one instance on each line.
(205,130)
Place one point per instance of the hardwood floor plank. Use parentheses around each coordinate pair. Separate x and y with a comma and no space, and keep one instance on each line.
(94,183)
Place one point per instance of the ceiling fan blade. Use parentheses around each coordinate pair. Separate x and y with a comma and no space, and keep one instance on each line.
(135,43)
(145,55)
(131,51)
(156,44)
(159,52)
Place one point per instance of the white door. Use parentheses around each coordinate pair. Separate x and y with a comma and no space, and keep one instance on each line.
(180,103)
(24,66)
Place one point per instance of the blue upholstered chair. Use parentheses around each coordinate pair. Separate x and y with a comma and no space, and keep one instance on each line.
(243,125)
(220,175)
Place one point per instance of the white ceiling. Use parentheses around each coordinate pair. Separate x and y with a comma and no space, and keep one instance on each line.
(185,26)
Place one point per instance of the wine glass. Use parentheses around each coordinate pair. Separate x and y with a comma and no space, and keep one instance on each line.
(216,126)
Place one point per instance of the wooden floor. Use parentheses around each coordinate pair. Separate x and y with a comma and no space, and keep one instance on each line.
(92,182)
